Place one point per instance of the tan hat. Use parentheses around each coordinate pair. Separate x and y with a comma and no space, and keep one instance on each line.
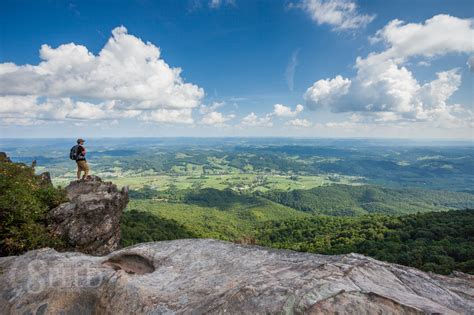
(80,140)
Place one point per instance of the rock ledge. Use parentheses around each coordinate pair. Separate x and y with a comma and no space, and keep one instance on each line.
(207,276)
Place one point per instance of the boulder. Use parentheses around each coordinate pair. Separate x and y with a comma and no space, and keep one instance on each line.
(90,221)
(4,157)
(202,276)
(45,179)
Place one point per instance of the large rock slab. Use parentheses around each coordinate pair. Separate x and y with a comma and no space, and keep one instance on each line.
(90,221)
(207,276)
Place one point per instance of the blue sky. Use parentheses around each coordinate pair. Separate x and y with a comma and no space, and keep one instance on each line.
(246,65)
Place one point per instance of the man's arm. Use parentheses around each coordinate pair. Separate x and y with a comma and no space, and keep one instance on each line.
(82,151)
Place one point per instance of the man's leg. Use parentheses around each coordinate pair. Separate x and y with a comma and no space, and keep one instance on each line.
(78,170)
(86,169)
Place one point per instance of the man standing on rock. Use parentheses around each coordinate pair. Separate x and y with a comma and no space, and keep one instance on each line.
(78,153)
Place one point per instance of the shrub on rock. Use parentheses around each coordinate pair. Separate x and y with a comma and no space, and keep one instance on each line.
(25,199)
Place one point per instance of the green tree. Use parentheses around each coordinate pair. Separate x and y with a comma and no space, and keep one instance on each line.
(24,201)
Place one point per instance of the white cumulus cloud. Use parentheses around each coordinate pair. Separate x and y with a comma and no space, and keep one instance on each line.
(127,77)
(384,89)
(253,120)
(298,123)
(29,109)
(423,63)
(340,14)
(216,118)
(324,92)
(440,35)
(205,109)
(285,111)
(182,116)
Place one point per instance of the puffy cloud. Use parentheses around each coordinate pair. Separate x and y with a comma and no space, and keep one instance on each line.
(183,116)
(424,63)
(324,92)
(255,121)
(205,109)
(440,35)
(340,14)
(84,110)
(216,118)
(298,123)
(381,87)
(27,109)
(13,105)
(128,75)
(285,111)
(212,117)
(385,90)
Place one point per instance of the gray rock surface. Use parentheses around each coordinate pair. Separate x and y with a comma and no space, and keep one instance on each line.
(90,221)
(207,276)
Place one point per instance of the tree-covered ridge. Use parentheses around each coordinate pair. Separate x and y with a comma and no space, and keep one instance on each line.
(25,198)
(337,200)
(358,200)
(223,215)
(140,226)
(437,241)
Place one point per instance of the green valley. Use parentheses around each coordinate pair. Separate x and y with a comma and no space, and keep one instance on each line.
(392,200)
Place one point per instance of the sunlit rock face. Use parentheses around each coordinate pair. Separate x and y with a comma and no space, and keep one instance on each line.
(213,277)
(90,221)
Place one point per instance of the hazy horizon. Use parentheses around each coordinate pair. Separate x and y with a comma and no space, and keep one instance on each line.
(373,140)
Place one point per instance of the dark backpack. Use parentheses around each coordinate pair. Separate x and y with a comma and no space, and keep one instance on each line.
(73,153)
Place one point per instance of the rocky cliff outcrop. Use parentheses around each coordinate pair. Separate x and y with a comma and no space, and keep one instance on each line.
(208,276)
(90,221)
(4,157)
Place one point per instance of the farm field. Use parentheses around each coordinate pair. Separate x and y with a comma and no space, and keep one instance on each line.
(238,182)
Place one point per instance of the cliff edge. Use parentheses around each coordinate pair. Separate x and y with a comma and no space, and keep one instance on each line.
(197,276)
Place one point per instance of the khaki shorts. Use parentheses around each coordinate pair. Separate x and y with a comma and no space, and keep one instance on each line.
(82,166)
